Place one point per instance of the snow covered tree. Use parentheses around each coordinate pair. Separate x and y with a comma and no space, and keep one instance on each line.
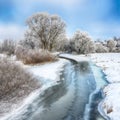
(8,46)
(111,44)
(82,42)
(45,28)
(99,48)
(61,43)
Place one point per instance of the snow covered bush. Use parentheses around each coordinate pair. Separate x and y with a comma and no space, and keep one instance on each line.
(15,82)
(33,56)
(117,49)
(82,42)
(99,48)
(7,46)
(20,52)
(45,28)
(111,44)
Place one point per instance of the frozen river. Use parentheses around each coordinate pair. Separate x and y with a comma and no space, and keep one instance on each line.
(75,97)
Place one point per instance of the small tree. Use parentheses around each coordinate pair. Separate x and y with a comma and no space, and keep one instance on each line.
(111,44)
(82,42)
(26,43)
(45,28)
(8,46)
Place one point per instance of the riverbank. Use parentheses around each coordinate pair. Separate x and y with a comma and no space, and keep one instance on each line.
(47,75)
(110,64)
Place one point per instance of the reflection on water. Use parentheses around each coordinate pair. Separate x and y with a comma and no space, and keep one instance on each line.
(84,84)
(57,92)
(83,67)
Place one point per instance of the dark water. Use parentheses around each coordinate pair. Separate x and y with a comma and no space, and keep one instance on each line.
(68,99)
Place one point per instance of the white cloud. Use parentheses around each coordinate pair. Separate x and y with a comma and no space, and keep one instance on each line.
(11,31)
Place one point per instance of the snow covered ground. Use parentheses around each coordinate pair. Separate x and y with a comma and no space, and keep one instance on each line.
(48,71)
(110,63)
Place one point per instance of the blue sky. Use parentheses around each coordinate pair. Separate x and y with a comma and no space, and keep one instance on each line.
(100,18)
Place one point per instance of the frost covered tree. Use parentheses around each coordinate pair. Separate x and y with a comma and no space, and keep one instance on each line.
(61,43)
(82,42)
(45,28)
(111,44)
(7,46)
(100,48)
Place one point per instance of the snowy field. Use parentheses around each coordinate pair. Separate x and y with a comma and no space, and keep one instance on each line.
(110,63)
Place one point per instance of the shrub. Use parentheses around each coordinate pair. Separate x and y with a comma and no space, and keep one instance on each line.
(20,52)
(15,82)
(111,44)
(7,47)
(100,48)
(34,56)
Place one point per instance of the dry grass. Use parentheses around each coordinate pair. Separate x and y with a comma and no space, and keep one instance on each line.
(109,109)
(34,56)
(15,81)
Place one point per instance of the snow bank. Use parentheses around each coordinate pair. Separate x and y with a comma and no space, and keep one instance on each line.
(110,63)
(48,71)
(111,103)
(77,58)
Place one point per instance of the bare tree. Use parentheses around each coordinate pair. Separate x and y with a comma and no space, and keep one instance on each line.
(82,42)
(45,28)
